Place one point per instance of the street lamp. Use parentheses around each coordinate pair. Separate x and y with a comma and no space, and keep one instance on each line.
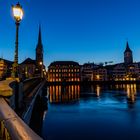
(41,64)
(18,15)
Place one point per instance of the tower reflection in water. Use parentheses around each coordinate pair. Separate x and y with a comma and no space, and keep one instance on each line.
(63,94)
(130,92)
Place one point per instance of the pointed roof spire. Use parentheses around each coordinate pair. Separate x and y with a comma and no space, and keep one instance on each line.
(127,48)
(39,35)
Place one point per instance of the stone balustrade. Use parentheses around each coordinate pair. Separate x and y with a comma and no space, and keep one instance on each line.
(12,127)
(13,92)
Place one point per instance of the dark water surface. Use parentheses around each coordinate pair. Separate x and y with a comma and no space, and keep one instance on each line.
(93,113)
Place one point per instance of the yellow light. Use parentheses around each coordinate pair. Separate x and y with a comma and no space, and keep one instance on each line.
(98,77)
(127,79)
(40,63)
(98,90)
(17,12)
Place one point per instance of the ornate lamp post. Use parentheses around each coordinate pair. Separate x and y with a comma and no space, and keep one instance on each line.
(17,14)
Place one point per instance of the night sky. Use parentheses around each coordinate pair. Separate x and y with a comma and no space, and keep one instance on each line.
(78,30)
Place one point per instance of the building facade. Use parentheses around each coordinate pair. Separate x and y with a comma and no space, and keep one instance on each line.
(60,71)
(133,72)
(28,68)
(87,72)
(99,74)
(119,72)
(5,68)
(127,71)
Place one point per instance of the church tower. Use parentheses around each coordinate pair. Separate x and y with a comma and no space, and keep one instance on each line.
(39,49)
(128,56)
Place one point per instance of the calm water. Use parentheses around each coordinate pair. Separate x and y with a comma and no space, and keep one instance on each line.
(93,113)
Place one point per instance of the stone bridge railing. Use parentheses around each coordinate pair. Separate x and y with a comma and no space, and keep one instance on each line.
(12,127)
(12,95)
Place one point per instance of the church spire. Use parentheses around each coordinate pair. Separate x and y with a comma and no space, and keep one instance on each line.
(128,56)
(39,48)
(39,36)
(127,48)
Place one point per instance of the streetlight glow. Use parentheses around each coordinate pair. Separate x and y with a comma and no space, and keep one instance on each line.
(40,63)
(17,12)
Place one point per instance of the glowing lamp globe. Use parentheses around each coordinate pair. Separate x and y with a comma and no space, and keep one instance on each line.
(17,12)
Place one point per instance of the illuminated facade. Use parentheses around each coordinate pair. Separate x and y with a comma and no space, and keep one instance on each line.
(127,71)
(5,68)
(100,74)
(60,71)
(28,68)
(87,72)
(133,72)
(122,72)
(93,72)
(119,72)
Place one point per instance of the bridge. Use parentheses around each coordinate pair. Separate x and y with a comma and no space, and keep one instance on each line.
(18,100)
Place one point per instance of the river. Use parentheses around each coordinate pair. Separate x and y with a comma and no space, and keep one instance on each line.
(92,112)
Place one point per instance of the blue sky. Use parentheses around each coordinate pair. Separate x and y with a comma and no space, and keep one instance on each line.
(78,30)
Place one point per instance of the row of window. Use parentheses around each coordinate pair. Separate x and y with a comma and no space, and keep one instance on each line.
(119,76)
(64,70)
(64,74)
(64,66)
(124,79)
(60,80)
(100,71)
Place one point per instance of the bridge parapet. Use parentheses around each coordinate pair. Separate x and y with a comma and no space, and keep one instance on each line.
(12,127)
(15,91)
(7,90)
(29,84)
(21,97)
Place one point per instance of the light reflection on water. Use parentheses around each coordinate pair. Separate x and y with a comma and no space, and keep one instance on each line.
(64,94)
(93,112)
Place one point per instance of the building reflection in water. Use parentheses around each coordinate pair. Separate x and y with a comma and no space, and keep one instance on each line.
(131,93)
(98,90)
(62,94)
(90,91)
(130,90)
(66,93)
